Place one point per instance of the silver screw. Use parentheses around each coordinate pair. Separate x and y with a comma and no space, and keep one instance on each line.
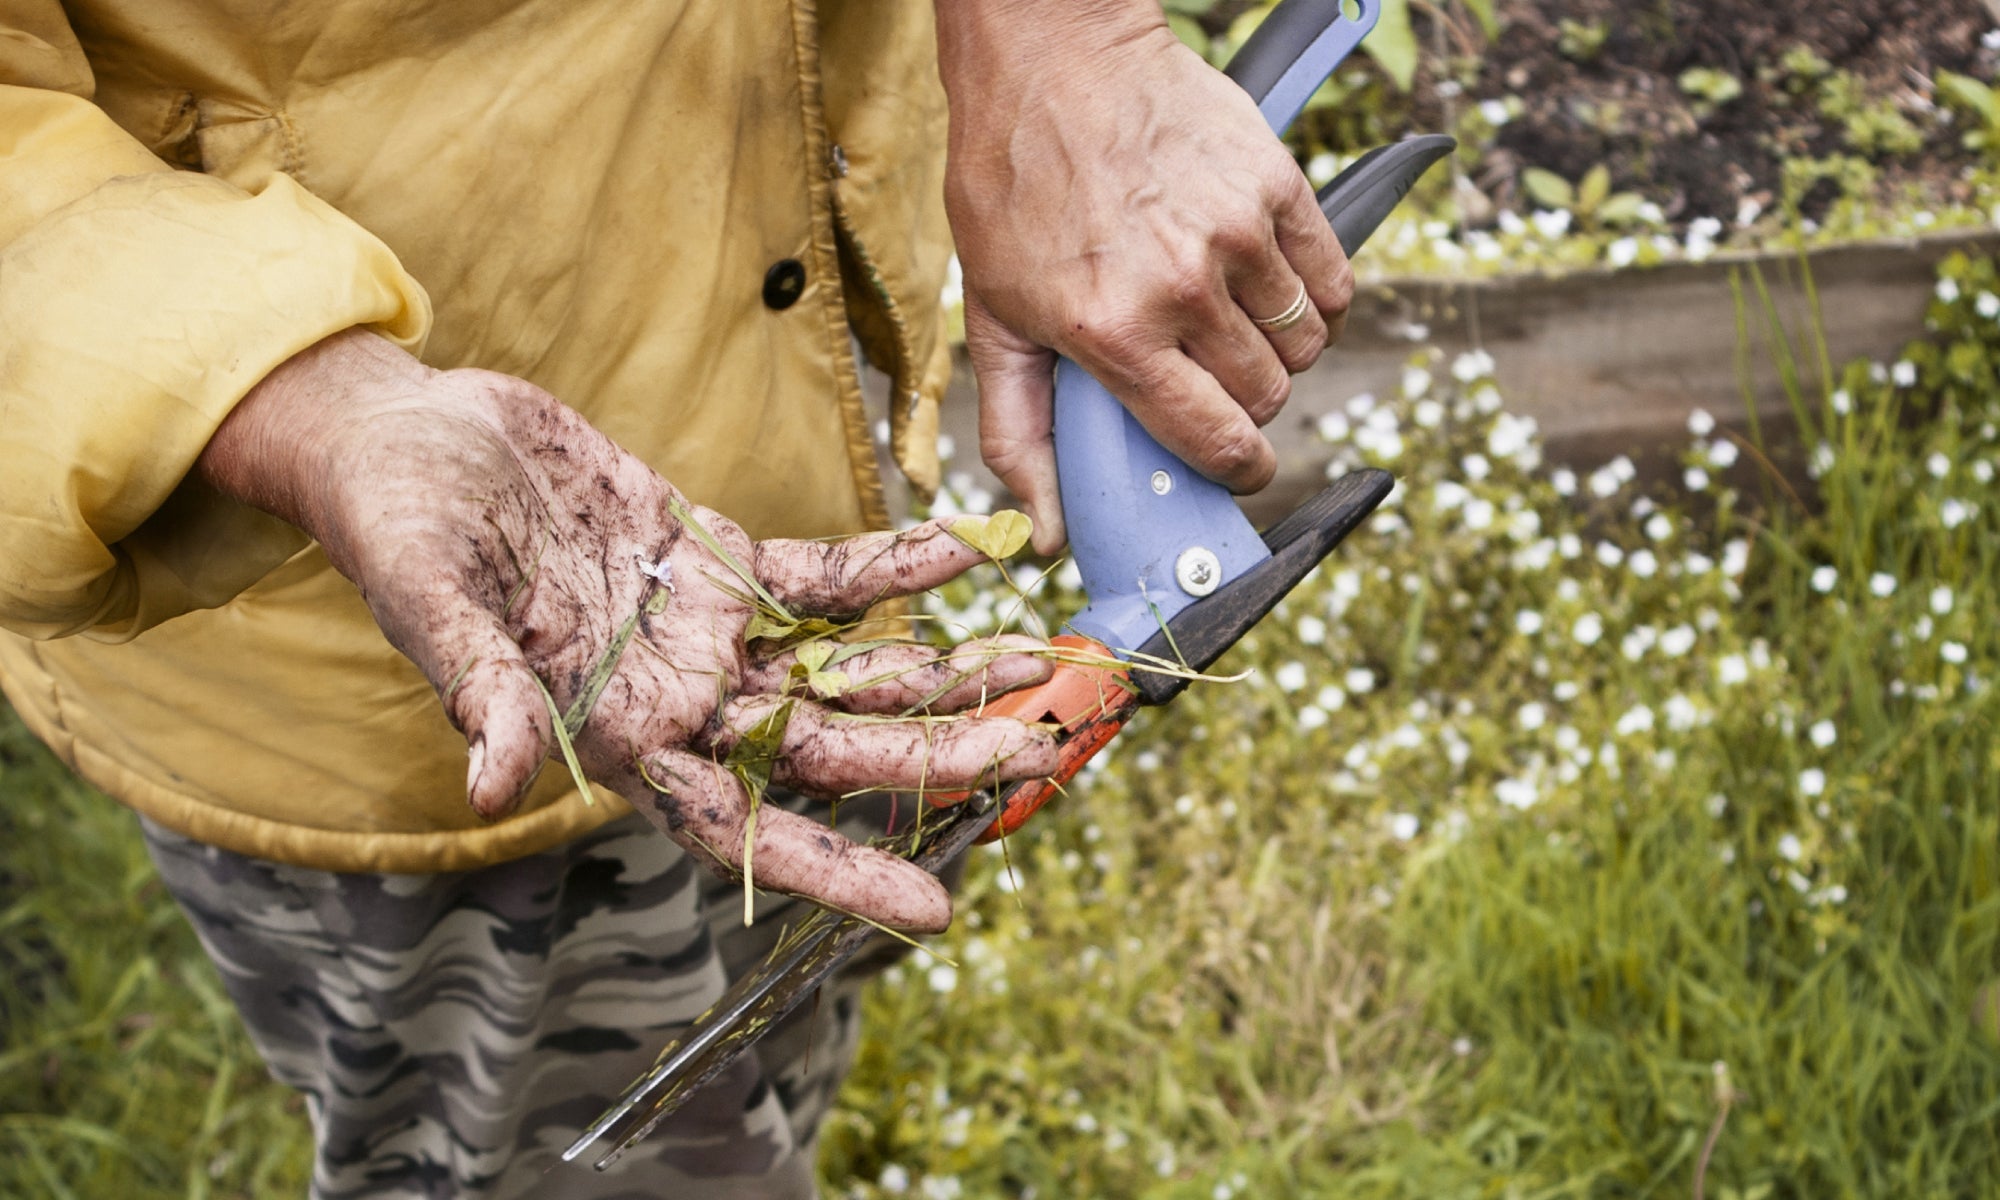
(1198,571)
(1162,483)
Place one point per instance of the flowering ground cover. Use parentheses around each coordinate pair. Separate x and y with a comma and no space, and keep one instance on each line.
(1560,841)
(1563,841)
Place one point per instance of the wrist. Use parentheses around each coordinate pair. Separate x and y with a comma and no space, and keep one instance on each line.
(272,451)
(979,40)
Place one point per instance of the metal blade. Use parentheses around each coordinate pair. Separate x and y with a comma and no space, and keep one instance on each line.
(803,959)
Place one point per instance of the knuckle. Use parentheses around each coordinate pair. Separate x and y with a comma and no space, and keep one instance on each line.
(1238,455)
(1340,290)
(1268,398)
(1300,353)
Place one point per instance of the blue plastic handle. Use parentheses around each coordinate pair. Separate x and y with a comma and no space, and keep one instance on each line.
(1150,534)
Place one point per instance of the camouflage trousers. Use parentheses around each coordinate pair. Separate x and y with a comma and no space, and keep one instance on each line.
(452,1033)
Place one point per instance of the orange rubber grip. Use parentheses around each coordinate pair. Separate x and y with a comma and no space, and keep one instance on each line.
(1091,703)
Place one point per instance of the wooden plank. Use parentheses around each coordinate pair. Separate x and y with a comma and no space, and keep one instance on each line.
(1606,362)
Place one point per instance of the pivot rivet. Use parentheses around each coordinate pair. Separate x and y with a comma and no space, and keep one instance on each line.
(1198,571)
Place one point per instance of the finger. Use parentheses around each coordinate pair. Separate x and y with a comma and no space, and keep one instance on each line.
(1017,418)
(491,695)
(1268,290)
(704,808)
(1308,243)
(1189,413)
(894,679)
(845,577)
(1243,361)
(830,755)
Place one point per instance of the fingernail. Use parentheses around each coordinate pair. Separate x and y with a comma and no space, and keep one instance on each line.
(475,766)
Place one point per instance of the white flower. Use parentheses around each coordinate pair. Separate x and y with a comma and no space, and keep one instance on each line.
(1563,480)
(1333,427)
(1952,652)
(1695,479)
(1987,305)
(1510,223)
(1404,826)
(1983,471)
(1360,681)
(1609,554)
(1681,713)
(1551,225)
(1722,454)
(1947,290)
(1812,781)
(1416,381)
(1623,252)
(1842,402)
(1637,719)
(1479,514)
(1531,716)
(894,1179)
(1312,716)
(1361,405)
(1588,628)
(1941,600)
(1515,793)
(1881,583)
(1528,622)
(1701,423)
(1659,527)
(1823,734)
(1494,111)
(1731,669)
(947,1187)
(1510,436)
(1954,512)
(1938,465)
(1473,364)
(1291,676)
(1677,641)
(1698,563)
(1604,483)
(1824,578)
(943,977)
(1904,373)
(1643,563)
(1330,698)
(1428,414)
(1476,467)
(1788,845)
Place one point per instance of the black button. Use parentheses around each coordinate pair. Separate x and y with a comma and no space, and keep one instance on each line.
(784,283)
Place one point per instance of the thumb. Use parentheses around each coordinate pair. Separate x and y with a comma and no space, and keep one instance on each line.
(1017,417)
(491,694)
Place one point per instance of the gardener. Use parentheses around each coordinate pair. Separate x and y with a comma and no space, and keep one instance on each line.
(259,519)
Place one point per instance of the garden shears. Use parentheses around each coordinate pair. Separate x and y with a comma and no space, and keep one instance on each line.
(1174,571)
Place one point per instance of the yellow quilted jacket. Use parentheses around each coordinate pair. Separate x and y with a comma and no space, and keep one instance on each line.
(667,212)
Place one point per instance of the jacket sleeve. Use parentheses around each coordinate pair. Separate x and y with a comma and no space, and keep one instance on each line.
(137,305)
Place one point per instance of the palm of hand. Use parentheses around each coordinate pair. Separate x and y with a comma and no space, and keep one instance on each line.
(499,539)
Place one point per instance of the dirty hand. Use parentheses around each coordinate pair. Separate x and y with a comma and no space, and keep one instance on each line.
(497,537)
(1117,200)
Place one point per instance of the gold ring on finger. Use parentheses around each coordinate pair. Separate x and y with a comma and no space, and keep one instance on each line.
(1290,317)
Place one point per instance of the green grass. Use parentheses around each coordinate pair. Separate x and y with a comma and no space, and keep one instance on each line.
(1558,832)
(124,1070)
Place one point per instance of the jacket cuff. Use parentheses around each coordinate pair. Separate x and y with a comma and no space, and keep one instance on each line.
(135,318)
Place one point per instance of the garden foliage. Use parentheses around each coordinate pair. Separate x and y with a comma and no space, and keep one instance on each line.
(1559,829)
